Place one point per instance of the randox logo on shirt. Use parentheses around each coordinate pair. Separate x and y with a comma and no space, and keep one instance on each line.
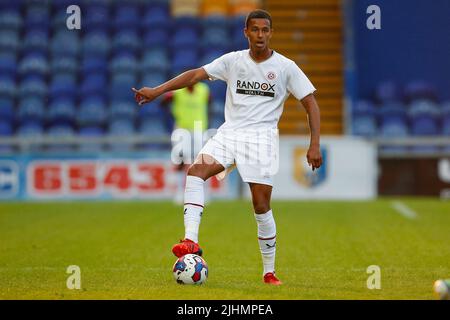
(255,88)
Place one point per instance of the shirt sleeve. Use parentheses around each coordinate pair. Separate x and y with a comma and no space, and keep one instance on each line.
(298,83)
(219,68)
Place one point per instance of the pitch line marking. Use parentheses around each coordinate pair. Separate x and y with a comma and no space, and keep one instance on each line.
(404,210)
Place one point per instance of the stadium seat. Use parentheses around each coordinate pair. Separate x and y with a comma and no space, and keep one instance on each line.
(65,43)
(123,63)
(186,37)
(218,90)
(94,65)
(88,132)
(63,85)
(183,60)
(93,84)
(96,19)
(126,17)
(156,15)
(210,55)
(33,87)
(121,127)
(9,41)
(10,19)
(420,90)
(35,40)
(155,59)
(92,112)
(37,16)
(215,37)
(61,130)
(154,79)
(8,65)
(156,37)
(238,39)
(216,120)
(126,41)
(392,112)
(7,87)
(151,110)
(30,129)
(388,92)
(64,65)
(31,109)
(155,128)
(120,87)
(123,110)
(62,111)
(96,44)
(423,115)
(34,63)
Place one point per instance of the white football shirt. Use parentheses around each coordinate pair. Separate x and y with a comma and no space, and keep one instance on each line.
(256,92)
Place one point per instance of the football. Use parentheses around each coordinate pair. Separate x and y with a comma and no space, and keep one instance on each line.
(442,289)
(190,269)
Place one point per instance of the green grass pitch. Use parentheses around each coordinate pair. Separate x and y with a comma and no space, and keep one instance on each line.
(323,250)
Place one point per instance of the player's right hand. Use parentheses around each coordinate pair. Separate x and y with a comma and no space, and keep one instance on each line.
(144,95)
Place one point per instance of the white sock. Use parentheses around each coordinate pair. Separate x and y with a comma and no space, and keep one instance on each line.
(267,239)
(194,200)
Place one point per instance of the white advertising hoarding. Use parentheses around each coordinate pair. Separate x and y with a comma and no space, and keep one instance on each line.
(349,170)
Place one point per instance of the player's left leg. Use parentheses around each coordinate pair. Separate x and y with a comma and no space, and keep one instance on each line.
(261,194)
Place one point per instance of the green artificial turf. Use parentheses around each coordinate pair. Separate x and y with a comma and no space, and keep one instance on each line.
(323,250)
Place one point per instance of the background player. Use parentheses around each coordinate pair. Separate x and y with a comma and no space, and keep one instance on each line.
(258,82)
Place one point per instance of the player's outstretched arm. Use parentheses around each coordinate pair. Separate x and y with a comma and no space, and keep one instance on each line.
(313,156)
(186,79)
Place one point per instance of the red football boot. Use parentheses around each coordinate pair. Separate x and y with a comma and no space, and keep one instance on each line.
(186,246)
(270,278)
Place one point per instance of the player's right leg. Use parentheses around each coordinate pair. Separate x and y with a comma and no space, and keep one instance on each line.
(204,167)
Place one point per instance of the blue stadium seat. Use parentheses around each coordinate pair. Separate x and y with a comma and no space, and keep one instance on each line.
(364,122)
(31,109)
(126,41)
(63,85)
(35,40)
(61,130)
(216,120)
(9,41)
(423,115)
(96,44)
(215,37)
(238,40)
(156,15)
(92,112)
(392,112)
(155,59)
(126,16)
(151,110)
(154,79)
(93,64)
(388,92)
(153,127)
(34,63)
(183,60)
(64,65)
(185,38)
(96,19)
(87,132)
(218,106)
(218,90)
(33,87)
(37,16)
(156,37)
(93,84)
(210,55)
(124,63)
(7,109)
(445,110)
(420,90)
(217,21)
(31,129)
(65,43)
(123,110)
(186,22)
(7,86)
(10,19)
(8,64)
(120,87)
(62,111)
(121,127)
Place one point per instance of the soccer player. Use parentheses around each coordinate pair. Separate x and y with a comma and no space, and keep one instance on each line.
(259,80)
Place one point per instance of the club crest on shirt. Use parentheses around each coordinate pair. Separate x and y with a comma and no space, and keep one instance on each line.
(271,75)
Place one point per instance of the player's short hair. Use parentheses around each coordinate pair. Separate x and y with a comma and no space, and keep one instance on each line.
(258,14)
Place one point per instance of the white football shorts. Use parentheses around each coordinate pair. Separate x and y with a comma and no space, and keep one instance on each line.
(254,153)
